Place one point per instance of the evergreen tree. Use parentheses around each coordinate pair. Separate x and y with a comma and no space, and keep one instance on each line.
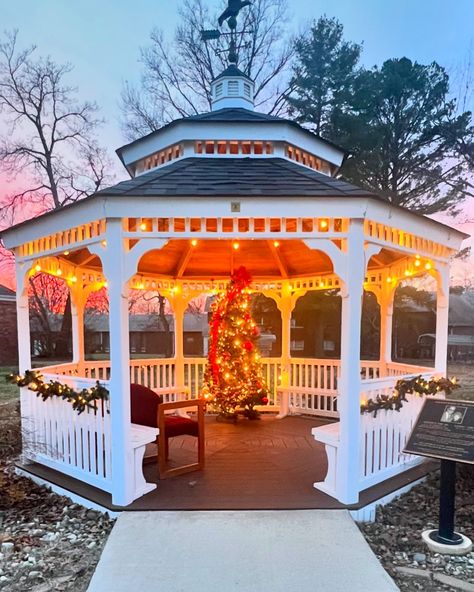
(405,137)
(323,75)
(402,133)
(233,376)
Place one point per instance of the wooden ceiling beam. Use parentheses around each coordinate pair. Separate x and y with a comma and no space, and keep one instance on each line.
(183,262)
(278,260)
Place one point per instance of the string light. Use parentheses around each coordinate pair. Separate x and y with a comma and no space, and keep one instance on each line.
(276,244)
(104,243)
(194,242)
(59,271)
(37,267)
(323,224)
(143,226)
(66,253)
(235,246)
(428,266)
(80,400)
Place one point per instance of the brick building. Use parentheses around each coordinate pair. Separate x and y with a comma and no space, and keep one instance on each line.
(8,330)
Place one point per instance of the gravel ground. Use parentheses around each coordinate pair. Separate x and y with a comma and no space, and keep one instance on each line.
(395,537)
(47,543)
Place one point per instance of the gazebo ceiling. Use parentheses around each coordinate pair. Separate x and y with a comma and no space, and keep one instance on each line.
(215,259)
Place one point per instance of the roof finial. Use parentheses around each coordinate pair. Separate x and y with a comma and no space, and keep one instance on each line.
(230,15)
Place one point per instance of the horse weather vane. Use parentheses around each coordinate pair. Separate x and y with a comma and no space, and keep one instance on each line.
(230,15)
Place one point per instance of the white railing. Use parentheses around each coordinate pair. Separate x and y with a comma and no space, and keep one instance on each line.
(67,369)
(312,386)
(398,369)
(159,373)
(383,438)
(57,436)
(194,375)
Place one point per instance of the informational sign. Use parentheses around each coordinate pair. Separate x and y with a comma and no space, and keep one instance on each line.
(444,429)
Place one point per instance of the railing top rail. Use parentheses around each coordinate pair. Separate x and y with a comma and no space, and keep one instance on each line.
(384,381)
(79,380)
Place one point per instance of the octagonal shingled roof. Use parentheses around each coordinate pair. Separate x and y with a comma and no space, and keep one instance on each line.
(230,115)
(241,177)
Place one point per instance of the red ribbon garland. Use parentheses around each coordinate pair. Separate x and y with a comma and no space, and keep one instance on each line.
(239,281)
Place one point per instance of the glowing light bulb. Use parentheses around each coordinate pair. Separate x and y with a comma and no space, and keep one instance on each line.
(194,242)
(37,267)
(417,263)
(323,224)
(417,256)
(105,284)
(143,226)
(66,253)
(73,279)
(408,272)
(59,272)
(235,246)
(389,280)
(276,244)
(428,266)
(104,243)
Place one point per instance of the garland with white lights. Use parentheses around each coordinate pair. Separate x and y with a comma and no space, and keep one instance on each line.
(417,385)
(80,400)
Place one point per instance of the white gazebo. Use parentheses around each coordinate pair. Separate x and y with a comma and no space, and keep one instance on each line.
(207,194)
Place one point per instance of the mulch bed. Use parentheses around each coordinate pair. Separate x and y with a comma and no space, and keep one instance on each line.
(47,542)
(395,537)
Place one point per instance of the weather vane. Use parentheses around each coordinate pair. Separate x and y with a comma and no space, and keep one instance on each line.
(230,15)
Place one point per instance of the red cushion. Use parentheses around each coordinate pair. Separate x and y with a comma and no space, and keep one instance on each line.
(180,426)
(144,405)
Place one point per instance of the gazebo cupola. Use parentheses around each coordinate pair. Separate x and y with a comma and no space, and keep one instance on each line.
(232,89)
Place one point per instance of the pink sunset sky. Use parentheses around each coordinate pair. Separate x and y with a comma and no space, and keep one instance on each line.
(101,40)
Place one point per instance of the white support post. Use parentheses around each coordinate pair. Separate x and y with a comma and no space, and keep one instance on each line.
(285,304)
(386,327)
(77,317)
(179,305)
(24,352)
(442,314)
(23,320)
(348,463)
(122,451)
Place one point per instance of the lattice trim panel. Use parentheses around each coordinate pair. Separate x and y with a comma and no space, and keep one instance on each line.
(64,239)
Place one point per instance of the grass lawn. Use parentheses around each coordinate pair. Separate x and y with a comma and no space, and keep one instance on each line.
(8,392)
(465,375)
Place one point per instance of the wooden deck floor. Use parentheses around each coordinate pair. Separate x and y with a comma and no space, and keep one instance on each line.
(251,465)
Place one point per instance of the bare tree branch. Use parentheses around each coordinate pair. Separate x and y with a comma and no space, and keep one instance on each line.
(176,79)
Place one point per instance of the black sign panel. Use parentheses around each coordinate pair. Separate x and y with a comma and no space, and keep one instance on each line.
(444,429)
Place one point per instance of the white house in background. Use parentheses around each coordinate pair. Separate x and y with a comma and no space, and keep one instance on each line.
(207,194)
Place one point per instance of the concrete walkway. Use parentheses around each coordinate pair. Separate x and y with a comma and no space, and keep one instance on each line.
(245,551)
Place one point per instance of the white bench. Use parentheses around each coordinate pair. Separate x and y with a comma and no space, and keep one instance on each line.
(140,437)
(329,435)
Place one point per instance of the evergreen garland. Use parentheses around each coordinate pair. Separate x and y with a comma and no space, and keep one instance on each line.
(417,385)
(80,400)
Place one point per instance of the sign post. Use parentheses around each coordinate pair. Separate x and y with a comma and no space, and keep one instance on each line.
(445,430)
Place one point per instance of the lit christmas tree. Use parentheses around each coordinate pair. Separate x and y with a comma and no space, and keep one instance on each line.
(233,378)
